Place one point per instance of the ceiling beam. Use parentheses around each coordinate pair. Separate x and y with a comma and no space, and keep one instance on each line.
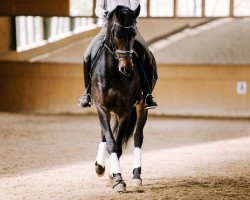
(35,8)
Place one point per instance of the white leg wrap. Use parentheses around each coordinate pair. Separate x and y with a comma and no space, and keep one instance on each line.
(137,158)
(101,154)
(114,164)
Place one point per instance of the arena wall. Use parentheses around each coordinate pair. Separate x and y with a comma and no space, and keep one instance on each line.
(182,90)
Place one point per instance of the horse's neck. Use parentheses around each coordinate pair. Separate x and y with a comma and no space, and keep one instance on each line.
(109,54)
(110,60)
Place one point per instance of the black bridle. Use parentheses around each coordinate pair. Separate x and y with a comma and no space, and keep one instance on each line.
(117,53)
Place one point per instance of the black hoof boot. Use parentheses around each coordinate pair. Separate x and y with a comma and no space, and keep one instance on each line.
(149,102)
(100,170)
(85,100)
(118,183)
(137,181)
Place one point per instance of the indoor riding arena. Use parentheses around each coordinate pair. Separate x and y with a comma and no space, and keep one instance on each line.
(196,142)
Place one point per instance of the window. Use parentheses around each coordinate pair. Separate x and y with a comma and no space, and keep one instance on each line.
(81,7)
(32,32)
(241,7)
(79,24)
(60,27)
(29,32)
(189,8)
(159,8)
(143,4)
(217,8)
(38,28)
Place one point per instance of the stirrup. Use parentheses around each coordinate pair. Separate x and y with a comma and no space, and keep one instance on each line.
(154,104)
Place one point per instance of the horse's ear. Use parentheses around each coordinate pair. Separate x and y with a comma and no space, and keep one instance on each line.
(110,15)
(118,11)
(137,11)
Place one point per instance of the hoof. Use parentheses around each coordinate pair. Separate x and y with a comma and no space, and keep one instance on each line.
(100,170)
(136,183)
(120,188)
(118,183)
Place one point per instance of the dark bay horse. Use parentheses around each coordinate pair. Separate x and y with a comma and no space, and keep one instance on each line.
(116,89)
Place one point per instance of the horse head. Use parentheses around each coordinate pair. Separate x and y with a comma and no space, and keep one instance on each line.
(122,26)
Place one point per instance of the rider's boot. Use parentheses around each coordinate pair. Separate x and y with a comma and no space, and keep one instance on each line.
(147,94)
(148,98)
(85,99)
(149,102)
(148,88)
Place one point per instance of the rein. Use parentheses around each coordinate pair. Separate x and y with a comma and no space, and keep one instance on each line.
(112,52)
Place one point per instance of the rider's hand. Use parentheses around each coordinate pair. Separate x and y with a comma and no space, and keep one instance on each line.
(105,14)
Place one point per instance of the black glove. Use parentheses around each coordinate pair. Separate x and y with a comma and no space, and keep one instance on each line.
(105,14)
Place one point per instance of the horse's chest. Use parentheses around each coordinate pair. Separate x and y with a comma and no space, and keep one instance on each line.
(115,91)
(116,87)
(116,94)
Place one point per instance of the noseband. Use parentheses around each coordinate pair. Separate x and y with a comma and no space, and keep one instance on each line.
(121,54)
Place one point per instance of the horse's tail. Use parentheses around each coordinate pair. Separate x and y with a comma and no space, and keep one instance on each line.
(130,127)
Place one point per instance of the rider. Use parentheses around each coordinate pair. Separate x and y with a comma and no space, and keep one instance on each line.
(103,7)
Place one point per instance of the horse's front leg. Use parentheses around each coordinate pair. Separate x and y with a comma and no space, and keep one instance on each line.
(100,158)
(115,169)
(138,140)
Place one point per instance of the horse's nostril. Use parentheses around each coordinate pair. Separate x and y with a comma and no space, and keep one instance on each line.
(127,71)
(123,70)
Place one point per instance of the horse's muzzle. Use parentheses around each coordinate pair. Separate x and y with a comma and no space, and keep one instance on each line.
(126,66)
